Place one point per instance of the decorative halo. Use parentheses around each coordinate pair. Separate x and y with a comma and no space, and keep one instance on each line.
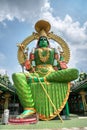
(39,26)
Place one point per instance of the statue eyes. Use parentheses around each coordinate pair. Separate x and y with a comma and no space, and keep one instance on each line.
(43,39)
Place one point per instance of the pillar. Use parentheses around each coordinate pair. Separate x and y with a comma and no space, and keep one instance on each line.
(67,109)
(83,93)
(7,95)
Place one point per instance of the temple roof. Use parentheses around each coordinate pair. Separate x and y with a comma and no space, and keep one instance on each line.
(78,86)
(4,88)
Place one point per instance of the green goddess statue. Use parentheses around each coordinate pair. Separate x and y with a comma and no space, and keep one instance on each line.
(44,88)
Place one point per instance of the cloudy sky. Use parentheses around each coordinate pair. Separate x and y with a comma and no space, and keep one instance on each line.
(68,19)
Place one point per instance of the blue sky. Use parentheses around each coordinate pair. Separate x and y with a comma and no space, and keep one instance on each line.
(68,19)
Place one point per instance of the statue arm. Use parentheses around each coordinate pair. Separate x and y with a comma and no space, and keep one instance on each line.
(30,63)
(59,61)
(62,61)
(27,65)
(56,63)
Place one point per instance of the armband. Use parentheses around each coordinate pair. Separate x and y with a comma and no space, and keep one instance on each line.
(32,56)
(27,65)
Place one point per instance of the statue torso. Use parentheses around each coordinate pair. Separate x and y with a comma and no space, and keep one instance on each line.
(44,56)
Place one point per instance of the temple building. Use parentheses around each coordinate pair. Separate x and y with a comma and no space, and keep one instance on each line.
(78,96)
(7,95)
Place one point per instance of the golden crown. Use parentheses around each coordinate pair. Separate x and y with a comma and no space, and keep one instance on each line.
(42,27)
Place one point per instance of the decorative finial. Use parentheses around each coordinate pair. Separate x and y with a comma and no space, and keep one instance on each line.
(42,27)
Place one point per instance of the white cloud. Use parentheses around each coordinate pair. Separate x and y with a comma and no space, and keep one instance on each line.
(2,61)
(2,71)
(2,57)
(23,10)
(69,29)
(27,10)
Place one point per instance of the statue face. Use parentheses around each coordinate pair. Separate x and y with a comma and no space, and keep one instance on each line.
(43,42)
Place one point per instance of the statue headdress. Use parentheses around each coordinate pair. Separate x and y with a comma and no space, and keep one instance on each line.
(42,27)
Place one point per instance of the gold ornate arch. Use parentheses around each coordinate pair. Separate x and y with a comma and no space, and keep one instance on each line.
(42,27)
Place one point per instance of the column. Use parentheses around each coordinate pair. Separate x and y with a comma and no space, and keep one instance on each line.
(7,95)
(83,93)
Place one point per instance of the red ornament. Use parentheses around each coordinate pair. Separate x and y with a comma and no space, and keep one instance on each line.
(63,65)
(27,65)
(32,56)
(56,56)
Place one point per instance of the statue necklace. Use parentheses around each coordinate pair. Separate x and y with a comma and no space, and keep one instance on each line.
(43,54)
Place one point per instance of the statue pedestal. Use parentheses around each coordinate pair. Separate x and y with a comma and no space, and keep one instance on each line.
(29,120)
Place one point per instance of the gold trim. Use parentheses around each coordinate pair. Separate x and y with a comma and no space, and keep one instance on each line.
(48,67)
(28,40)
(43,117)
(63,44)
(29,108)
(45,66)
(43,58)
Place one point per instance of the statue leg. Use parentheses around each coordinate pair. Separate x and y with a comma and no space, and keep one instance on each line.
(65,75)
(24,93)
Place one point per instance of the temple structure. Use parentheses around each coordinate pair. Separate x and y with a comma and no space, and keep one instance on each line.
(78,96)
(6,92)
